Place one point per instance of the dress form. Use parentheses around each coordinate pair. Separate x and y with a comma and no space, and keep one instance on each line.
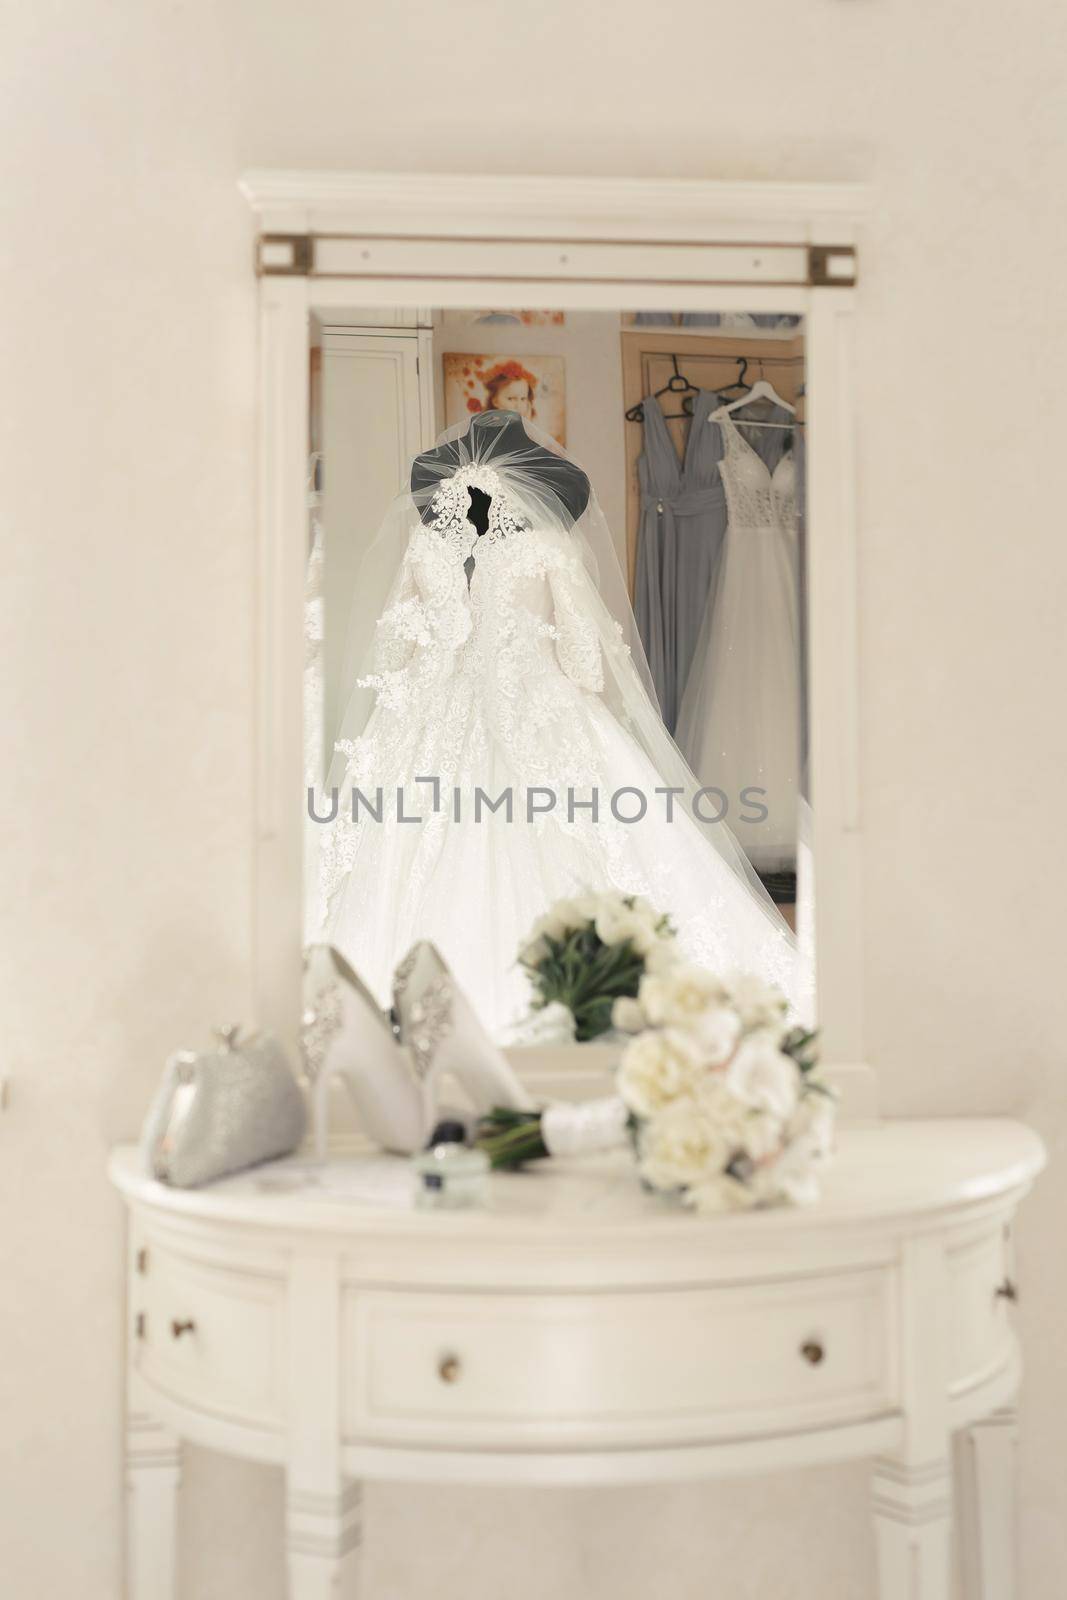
(568,482)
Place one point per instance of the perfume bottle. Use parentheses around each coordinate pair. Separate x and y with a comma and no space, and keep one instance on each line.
(451,1177)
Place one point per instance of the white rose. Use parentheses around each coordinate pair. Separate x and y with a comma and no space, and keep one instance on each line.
(721,1193)
(761,1137)
(658,927)
(663,955)
(551,925)
(792,1177)
(652,993)
(562,918)
(764,1078)
(691,998)
(798,1180)
(643,937)
(616,924)
(566,915)
(627,1015)
(694,986)
(718,1101)
(612,924)
(693,1139)
(759,1004)
(679,1147)
(655,1069)
(812,1123)
(716,1033)
(533,953)
(547,927)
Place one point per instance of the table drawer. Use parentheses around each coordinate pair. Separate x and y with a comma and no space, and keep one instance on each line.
(460,1369)
(207,1335)
(979,1273)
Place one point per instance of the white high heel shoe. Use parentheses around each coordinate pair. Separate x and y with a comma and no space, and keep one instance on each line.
(344,1033)
(436,1020)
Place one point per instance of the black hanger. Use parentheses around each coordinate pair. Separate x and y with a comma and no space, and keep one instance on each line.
(739,381)
(726,388)
(676,384)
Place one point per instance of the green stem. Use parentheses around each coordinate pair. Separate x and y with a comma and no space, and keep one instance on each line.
(510,1139)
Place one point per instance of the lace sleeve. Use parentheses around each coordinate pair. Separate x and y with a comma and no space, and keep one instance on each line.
(575,633)
(400,627)
(417,636)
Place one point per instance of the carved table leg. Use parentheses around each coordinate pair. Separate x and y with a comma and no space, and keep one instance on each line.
(323,1510)
(912,1505)
(989,1514)
(912,1488)
(322,1538)
(153,1472)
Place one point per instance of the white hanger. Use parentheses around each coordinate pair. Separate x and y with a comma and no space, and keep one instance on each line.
(760,390)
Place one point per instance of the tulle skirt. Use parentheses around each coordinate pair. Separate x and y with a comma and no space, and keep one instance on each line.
(474,881)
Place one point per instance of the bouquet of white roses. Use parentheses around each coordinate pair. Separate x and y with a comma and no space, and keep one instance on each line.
(726,1106)
(585,954)
(718,1094)
(582,958)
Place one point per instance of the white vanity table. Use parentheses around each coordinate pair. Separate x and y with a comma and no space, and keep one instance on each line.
(581,1332)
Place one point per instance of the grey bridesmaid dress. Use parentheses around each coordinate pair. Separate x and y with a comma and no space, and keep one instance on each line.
(681,532)
(679,545)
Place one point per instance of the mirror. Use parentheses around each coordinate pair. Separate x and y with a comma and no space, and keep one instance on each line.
(555,635)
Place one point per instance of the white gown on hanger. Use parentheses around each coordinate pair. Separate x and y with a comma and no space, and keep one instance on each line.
(739,725)
(495,674)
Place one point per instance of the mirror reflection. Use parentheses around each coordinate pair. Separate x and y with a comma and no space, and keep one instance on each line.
(554,636)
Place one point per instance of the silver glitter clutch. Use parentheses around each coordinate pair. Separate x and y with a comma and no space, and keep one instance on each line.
(219,1111)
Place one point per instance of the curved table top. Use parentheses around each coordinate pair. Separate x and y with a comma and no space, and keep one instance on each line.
(884,1173)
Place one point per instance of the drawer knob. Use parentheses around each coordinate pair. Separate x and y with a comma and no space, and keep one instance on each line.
(142,1262)
(449,1369)
(179,1328)
(812,1351)
(1007,1291)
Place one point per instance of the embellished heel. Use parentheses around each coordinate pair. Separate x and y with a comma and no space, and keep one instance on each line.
(437,1022)
(344,1033)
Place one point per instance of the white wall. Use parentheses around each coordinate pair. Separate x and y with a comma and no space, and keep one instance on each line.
(127,692)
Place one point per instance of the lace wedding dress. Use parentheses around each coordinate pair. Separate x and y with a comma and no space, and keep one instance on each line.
(503,708)
(739,725)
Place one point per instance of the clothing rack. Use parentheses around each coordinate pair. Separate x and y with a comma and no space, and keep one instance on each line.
(714,359)
(679,384)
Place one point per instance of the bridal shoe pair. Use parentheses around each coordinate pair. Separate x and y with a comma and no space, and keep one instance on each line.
(394,1067)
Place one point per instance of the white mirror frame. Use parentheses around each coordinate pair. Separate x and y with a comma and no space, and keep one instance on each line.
(331,240)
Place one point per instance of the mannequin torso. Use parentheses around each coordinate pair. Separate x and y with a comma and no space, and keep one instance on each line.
(563,479)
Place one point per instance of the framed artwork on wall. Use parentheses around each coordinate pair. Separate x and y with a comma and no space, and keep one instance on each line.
(533,386)
(462,317)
